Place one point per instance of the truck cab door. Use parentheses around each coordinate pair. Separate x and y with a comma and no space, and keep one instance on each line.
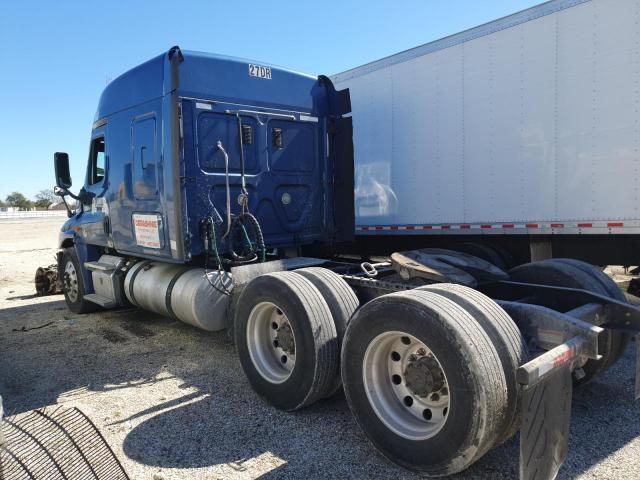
(95,219)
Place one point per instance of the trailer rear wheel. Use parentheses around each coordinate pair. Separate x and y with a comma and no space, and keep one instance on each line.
(342,302)
(617,342)
(286,340)
(73,283)
(485,252)
(571,273)
(607,284)
(423,381)
(505,337)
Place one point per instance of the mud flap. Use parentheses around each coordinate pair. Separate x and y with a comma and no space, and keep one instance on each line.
(545,426)
(637,341)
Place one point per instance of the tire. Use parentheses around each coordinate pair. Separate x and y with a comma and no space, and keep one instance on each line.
(506,256)
(73,284)
(290,299)
(556,272)
(342,302)
(617,342)
(485,252)
(505,337)
(570,273)
(608,285)
(476,388)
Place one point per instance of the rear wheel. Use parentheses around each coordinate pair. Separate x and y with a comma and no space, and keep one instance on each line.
(423,381)
(505,337)
(286,340)
(570,273)
(73,284)
(341,300)
(485,252)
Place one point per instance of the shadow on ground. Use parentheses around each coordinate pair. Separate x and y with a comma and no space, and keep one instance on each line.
(220,420)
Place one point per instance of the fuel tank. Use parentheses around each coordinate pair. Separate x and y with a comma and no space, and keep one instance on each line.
(184,293)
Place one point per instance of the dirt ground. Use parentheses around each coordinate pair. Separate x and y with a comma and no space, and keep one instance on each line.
(173,402)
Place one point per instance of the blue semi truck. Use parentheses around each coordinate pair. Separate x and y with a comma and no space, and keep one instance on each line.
(220,191)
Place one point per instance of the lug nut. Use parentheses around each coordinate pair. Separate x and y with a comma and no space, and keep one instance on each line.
(422,352)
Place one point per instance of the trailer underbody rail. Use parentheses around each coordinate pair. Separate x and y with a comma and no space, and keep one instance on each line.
(586,306)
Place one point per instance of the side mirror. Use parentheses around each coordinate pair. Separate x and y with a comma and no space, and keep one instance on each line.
(63,175)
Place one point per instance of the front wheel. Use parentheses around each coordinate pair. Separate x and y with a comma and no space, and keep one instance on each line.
(72,283)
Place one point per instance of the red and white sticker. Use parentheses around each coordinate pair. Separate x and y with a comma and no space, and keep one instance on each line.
(147,230)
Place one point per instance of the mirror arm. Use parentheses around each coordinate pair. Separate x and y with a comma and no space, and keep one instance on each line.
(62,192)
(66,205)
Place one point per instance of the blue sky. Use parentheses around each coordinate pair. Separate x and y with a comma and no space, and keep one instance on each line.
(58,56)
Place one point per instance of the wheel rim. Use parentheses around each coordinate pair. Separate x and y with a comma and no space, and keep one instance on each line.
(271,342)
(71,281)
(406,385)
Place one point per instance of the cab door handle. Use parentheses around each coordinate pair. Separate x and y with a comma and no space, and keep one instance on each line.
(142,149)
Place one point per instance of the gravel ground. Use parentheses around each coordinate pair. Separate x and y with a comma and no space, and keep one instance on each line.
(173,402)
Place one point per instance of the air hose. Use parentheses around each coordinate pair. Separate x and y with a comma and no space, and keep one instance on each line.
(209,227)
(246,221)
(245,225)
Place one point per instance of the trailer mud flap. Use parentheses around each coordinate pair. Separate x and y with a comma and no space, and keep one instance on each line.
(637,341)
(545,426)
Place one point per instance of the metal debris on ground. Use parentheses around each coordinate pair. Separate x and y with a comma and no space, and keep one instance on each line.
(25,329)
(47,280)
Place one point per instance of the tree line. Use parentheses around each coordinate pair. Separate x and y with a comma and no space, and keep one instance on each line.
(42,200)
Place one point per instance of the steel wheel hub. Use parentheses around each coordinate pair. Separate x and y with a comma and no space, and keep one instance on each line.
(271,342)
(71,281)
(284,338)
(406,385)
(424,376)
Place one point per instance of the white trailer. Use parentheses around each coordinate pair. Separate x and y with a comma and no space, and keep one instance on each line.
(526,125)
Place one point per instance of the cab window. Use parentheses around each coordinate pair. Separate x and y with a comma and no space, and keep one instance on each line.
(97,161)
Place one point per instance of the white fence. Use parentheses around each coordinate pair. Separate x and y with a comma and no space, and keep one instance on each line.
(33,214)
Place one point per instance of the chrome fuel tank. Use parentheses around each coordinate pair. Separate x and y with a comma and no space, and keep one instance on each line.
(180,292)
